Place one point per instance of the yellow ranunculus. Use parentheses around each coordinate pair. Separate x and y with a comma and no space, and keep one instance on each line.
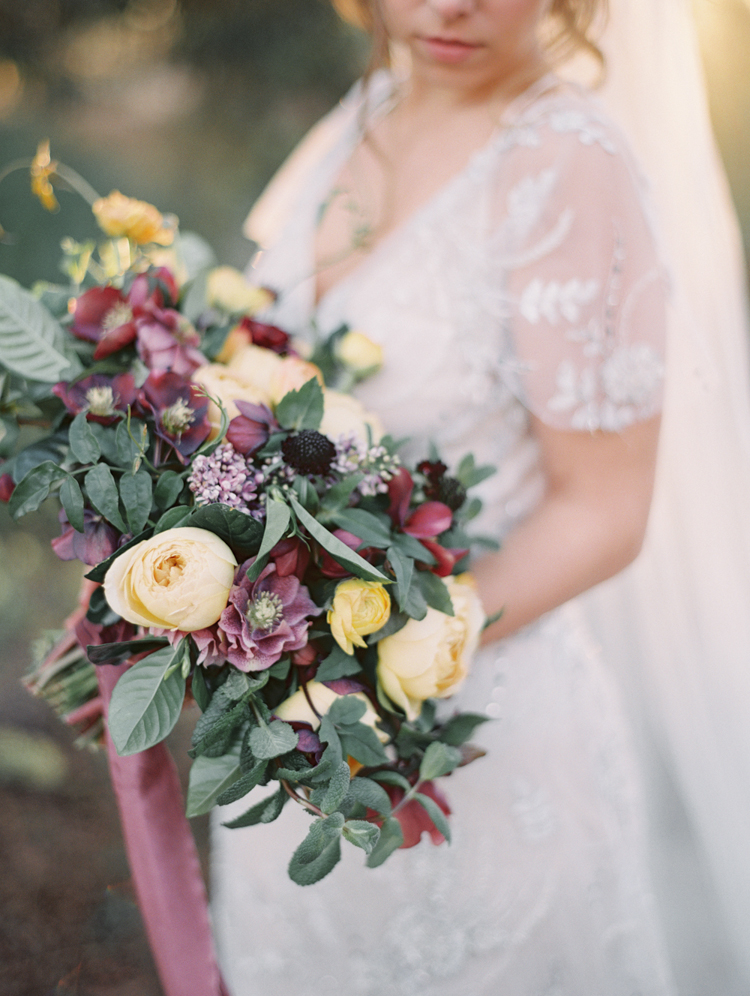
(125,217)
(290,375)
(178,579)
(359,354)
(228,290)
(429,658)
(221,382)
(297,709)
(359,608)
(343,414)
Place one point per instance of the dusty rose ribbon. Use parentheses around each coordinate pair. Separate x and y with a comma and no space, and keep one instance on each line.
(163,863)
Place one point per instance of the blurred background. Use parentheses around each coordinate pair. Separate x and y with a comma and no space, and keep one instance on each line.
(191,105)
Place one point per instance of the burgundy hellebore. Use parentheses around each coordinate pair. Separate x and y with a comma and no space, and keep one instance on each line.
(103,398)
(179,411)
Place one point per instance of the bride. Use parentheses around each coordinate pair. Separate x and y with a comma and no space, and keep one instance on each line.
(487,224)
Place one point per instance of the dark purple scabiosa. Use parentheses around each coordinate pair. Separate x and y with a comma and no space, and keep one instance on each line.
(265,618)
(440,486)
(179,411)
(104,399)
(250,430)
(308,452)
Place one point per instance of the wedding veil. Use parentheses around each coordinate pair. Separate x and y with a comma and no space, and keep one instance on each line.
(678,621)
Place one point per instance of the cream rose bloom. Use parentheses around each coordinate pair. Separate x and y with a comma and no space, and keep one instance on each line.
(290,375)
(359,608)
(227,289)
(429,658)
(222,383)
(255,366)
(359,354)
(343,414)
(296,709)
(178,579)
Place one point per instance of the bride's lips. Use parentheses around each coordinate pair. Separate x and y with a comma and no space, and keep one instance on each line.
(448,49)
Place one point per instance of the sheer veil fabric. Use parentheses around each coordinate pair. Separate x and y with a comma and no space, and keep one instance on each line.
(678,621)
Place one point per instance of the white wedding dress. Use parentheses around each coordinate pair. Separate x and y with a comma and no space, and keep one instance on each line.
(530,283)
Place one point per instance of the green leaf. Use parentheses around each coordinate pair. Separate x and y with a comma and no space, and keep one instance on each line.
(411,547)
(338,496)
(102,491)
(392,778)
(83,444)
(372,530)
(346,709)
(34,488)
(395,622)
(52,448)
(370,794)
(31,339)
(338,664)
(168,489)
(135,491)
(199,689)
(470,475)
(435,813)
(178,516)
(337,788)
(278,518)
(265,811)
(302,409)
(459,728)
(403,568)
(272,740)
(391,838)
(209,777)
(99,572)
(338,550)
(72,501)
(361,742)
(145,707)
(113,653)
(319,852)
(128,450)
(361,834)
(242,533)
(106,437)
(333,754)
(435,592)
(238,684)
(215,731)
(439,759)
(243,785)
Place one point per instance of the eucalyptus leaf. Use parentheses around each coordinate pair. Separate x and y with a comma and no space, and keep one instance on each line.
(145,707)
(273,740)
(302,409)
(361,834)
(209,777)
(31,339)
(103,495)
(265,811)
(435,813)
(135,492)
(391,838)
(278,518)
(439,759)
(83,444)
(338,550)
(72,501)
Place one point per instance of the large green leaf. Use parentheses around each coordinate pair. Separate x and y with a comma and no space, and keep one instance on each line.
(391,838)
(30,337)
(34,488)
(239,531)
(145,707)
(319,852)
(104,496)
(278,518)
(439,759)
(302,409)
(210,776)
(338,550)
(435,813)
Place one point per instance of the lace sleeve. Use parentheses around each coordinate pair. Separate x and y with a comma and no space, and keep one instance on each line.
(586,290)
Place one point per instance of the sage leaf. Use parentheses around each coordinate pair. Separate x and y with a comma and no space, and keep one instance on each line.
(209,777)
(459,728)
(265,811)
(439,759)
(435,813)
(319,852)
(338,664)
(390,839)
(337,788)
(272,740)
(145,707)
(370,794)
(243,785)
(361,834)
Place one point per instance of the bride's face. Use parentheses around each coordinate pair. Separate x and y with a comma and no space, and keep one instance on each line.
(474,43)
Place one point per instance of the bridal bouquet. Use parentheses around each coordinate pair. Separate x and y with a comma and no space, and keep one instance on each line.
(254,541)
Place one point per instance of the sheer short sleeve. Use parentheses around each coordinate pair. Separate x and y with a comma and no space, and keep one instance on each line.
(586,291)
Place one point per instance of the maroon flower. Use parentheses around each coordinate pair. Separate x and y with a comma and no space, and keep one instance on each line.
(105,316)
(291,556)
(101,397)
(179,412)
(265,618)
(413,817)
(97,541)
(169,342)
(7,487)
(446,557)
(268,336)
(331,568)
(155,289)
(425,523)
(250,430)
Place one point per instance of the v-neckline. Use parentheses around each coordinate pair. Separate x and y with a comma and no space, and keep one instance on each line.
(510,116)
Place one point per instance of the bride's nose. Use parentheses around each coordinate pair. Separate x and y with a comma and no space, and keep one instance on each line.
(451,9)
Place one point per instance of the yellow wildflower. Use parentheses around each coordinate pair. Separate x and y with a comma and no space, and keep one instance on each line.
(42,169)
(125,217)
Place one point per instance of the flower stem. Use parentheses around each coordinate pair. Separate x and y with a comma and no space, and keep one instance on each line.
(303,802)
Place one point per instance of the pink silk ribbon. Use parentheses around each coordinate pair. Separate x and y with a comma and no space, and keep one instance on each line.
(164,863)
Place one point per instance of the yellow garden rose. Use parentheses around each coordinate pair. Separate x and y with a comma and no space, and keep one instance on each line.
(256,367)
(222,383)
(359,354)
(178,579)
(125,217)
(343,414)
(227,289)
(296,709)
(359,608)
(290,375)
(429,658)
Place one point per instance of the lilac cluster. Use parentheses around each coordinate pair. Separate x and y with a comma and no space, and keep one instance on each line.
(228,477)
(375,462)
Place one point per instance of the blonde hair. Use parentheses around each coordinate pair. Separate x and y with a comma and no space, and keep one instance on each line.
(570,23)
